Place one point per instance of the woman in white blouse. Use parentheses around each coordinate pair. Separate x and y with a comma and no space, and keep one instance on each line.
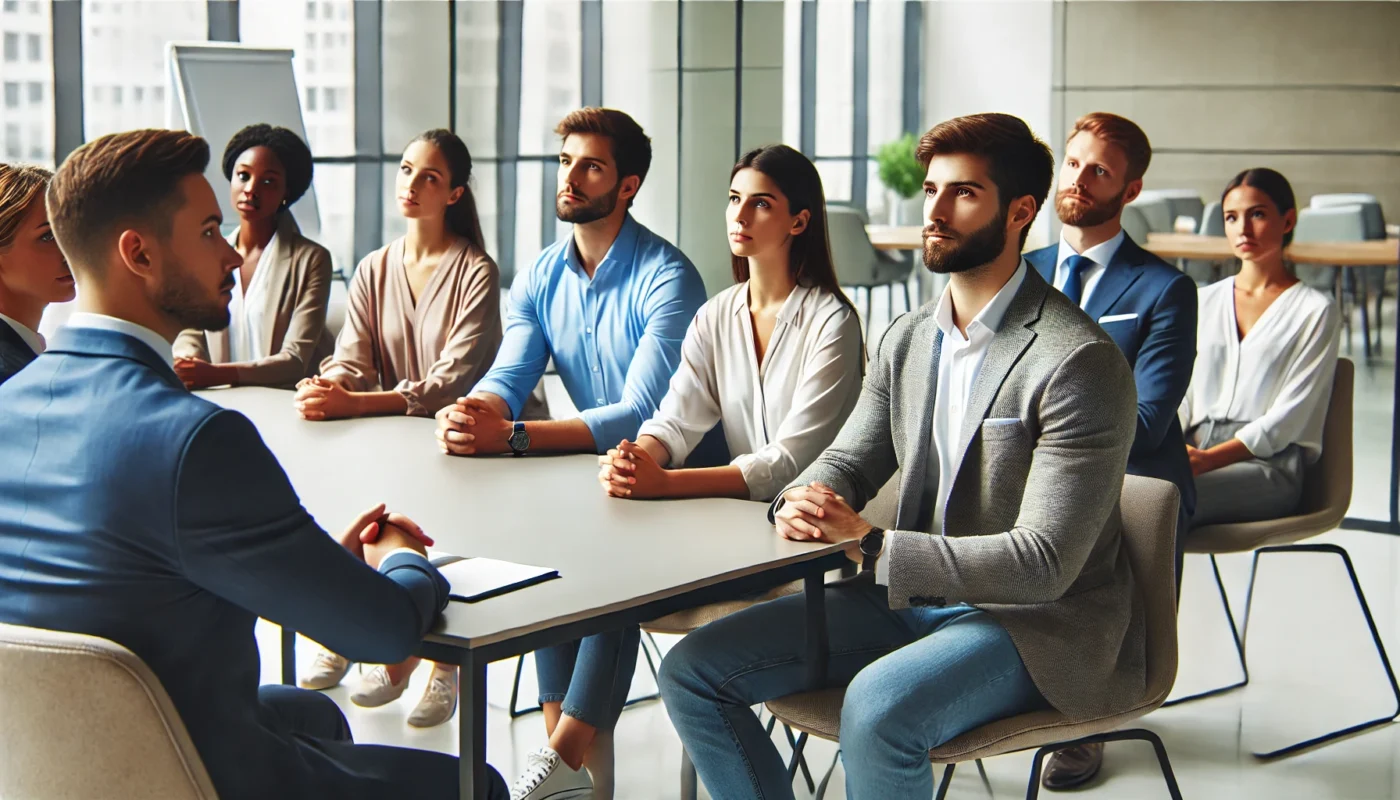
(1266,354)
(778,358)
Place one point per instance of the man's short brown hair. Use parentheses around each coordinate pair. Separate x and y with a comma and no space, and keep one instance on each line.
(118,181)
(631,147)
(1019,163)
(1122,132)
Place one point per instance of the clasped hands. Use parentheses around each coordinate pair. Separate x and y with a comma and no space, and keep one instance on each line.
(816,513)
(475,425)
(376,533)
(631,471)
(319,399)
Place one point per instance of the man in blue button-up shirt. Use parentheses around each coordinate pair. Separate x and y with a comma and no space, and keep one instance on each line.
(611,304)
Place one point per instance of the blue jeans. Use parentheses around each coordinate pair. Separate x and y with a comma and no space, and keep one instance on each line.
(347,769)
(914,679)
(590,677)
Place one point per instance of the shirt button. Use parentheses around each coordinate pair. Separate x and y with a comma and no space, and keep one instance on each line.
(595,369)
(587,330)
(600,402)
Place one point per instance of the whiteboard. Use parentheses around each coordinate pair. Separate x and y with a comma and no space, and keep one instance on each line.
(218,89)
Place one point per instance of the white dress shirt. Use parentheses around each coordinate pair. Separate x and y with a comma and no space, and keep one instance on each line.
(102,322)
(778,415)
(959,361)
(1101,254)
(1278,379)
(247,311)
(30,337)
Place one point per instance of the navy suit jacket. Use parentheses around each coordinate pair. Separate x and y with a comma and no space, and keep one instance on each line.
(133,510)
(15,354)
(1157,333)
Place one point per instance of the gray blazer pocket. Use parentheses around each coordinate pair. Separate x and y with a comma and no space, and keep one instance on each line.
(1002,428)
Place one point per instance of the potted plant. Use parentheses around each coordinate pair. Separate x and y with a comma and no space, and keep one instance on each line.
(902,176)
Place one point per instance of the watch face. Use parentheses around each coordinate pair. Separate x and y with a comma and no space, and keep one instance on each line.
(870,543)
(519,441)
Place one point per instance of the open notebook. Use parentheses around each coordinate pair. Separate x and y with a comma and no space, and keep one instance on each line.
(477,579)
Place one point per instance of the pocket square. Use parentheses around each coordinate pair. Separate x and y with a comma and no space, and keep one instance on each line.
(991,422)
(1117,318)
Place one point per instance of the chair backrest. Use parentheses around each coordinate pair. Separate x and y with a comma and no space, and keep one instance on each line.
(1331,224)
(1212,220)
(1373,216)
(1327,481)
(1157,211)
(1149,508)
(1135,224)
(854,257)
(1181,202)
(84,717)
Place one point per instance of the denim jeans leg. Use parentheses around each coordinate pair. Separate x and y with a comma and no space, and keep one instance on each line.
(602,676)
(554,669)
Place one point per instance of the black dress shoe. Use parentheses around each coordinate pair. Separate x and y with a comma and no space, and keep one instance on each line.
(1072,767)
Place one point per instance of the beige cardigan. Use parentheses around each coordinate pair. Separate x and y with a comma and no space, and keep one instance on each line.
(431,351)
(298,289)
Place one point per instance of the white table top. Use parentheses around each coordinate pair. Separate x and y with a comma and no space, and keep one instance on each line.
(543,510)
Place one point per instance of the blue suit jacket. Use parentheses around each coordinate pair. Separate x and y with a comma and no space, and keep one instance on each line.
(15,354)
(133,510)
(1158,336)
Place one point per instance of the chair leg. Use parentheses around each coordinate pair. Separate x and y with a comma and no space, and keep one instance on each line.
(1134,734)
(946,780)
(987,782)
(690,781)
(826,779)
(515,693)
(908,305)
(1375,640)
(1360,293)
(869,290)
(1239,645)
(799,761)
(289,656)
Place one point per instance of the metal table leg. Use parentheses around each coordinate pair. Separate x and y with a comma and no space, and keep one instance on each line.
(471,716)
(814,590)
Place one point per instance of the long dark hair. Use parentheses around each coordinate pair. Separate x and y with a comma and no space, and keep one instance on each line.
(462,217)
(1271,183)
(809,259)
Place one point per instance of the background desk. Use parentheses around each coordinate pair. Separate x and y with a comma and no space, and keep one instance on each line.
(621,562)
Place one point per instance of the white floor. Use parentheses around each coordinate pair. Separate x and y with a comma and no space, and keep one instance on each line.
(1313,669)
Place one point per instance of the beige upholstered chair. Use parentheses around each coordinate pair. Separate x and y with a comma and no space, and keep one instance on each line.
(1149,508)
(1326,495)
(83,717)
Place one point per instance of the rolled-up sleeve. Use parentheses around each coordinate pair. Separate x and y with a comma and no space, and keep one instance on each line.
(667,312)
(524,352)
(822,400)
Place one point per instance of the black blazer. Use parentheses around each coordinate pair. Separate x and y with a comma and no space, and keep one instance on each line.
(15,355)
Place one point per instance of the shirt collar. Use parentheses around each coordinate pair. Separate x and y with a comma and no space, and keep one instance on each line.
(148,337)
(1101,253)
(622,251)
(30,337)
(988,320)
(790,310)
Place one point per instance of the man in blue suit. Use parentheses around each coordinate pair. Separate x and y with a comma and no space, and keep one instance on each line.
(135,511)
(1146,305)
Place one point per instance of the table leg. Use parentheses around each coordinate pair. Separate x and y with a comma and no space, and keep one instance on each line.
(1394,425)
(471,717)
(289,656)
(814,587)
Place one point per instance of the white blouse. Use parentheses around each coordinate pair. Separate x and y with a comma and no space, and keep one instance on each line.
(779,415)
(1278,379)
(246,331)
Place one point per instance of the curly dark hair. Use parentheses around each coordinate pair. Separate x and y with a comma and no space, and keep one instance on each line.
(290,149)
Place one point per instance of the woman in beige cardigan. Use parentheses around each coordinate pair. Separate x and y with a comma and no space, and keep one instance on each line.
(423,320)
(277,318)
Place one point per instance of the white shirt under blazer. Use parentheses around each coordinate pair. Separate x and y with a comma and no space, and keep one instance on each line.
(779,415)
(1278,379)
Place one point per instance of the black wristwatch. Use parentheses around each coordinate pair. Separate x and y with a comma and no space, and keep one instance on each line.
(519,440)
(871,545)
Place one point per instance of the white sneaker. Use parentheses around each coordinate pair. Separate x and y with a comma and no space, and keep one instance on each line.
(547,777)
(439,699)
(376,689)
(327,670)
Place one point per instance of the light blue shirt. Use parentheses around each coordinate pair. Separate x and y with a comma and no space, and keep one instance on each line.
(615,339)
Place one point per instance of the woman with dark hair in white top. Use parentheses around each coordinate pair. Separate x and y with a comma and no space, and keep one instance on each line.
(1266,354)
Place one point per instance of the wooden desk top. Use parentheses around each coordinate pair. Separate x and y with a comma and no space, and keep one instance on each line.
(543,510)
(1377,253)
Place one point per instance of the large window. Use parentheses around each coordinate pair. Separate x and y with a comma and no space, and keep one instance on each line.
(123,50)
(28,132)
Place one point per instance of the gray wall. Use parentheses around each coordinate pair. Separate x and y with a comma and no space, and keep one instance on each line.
(1311,89)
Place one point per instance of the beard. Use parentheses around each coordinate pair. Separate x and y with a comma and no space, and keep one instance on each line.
(592,211)
(181,297)
(1079,215)
(969,251)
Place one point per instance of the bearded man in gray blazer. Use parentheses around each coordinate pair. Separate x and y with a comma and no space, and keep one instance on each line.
(1004,587)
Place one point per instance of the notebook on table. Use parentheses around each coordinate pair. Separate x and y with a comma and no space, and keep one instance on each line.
(475,579)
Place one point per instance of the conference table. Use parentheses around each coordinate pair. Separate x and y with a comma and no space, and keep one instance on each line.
(621,562)
(1372,253)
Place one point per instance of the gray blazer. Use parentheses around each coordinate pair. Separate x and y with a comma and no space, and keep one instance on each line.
(1032,533)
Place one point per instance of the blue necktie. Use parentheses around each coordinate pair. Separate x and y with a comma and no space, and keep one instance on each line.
(1074,279)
